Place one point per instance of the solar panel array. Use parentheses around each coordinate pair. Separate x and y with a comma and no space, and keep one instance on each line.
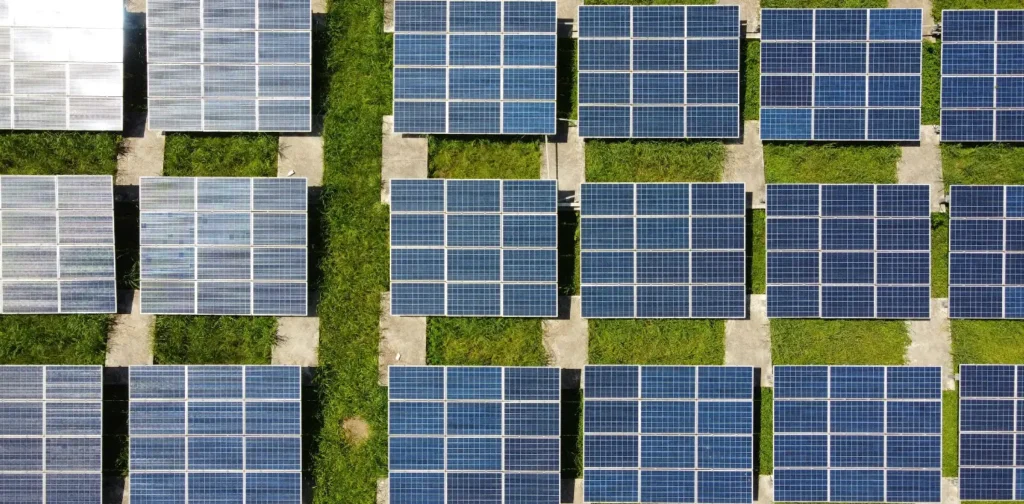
(663,250)
(475,67)
(668,434)
(849,251)
(659,71)
(51,426)
(986,252)
(229,65)
(61,65)
(215,434)
(982,76)
(841,74)
(223,246)
(858,434)
(57,244)
(474,248)
(990,433)
(474,434)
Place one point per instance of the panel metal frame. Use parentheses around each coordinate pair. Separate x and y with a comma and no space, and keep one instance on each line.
(1016,433)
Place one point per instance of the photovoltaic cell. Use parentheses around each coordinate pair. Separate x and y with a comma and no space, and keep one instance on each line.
(669,250)
(849,251)
(485,248)
(223,246)
(858,433)
(667,71)
(982,76)
(57,244)
(474,434)
(668,434)
(841,74)
(990,435)
(241,435)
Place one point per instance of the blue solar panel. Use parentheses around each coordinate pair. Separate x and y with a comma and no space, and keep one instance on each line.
(989,398)
(474,248)
(848,251)
(841,74)
(474,434)
(651,71)
(982,76)
(469,67)
(668,434)
(857,434)
(666,250)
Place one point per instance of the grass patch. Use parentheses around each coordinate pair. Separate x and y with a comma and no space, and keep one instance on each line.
(751,80)
(654,161)
(214,340)
(220,155)
(485,342)
(838,342)
(931,81)
(484,158)
(822,4)
(667,341)
(651,2)
(987,341)
(566,85)
(52,339)
(568,253)
(991,163)
(940,255)
(766,456)
(830,163)
(939,5)
(59,153)
(950,433)
(756,268)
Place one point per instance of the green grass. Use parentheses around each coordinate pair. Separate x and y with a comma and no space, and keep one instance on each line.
(220,155)
(566,86)
(751,80)
(950,433)
(214,340)
(668,341)
(940,255)
(931,81)
(484,158)
(485,342)
(651,2)
(830,163)
(822,4)
(59,153)
(654,161)
(568,253)
(50,339)
(939,5)
(766,456)
(993,163)
(835,342)
(757,258)
(987,341)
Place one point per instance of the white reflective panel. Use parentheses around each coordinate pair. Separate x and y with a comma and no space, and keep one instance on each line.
(85,192)
(175,80)
(29,262)
(94,113)
(40,78)
(40,113)
(168,297)
(28,192)
(30,297)
(94,79)
(40,44)
(79,228)
(174,46)
(176,115)
(28,227)
(230,115)
(86,262)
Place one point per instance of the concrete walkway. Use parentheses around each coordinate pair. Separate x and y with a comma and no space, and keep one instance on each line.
(143,157)
(566,339)
(402,157)
(298,341)
(930,343)
(922,164)
(744,162)
(130,342)
(403,340)
(301,156)
(748,341)
(562,159)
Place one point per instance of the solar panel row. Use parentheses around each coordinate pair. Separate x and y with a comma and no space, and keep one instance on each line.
(474,434)
(857,434)
(215,434)
(51,426)
(841,74)
(474,248)
(659,71)
(991,432)
(474,67)
(57,244)
(668,434)
(848,251)
(663,250)
(224,246)
(225,65)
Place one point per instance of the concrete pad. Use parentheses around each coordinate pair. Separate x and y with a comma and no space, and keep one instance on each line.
(928,23)
(748,341)
(135,6)
(765,489)
(389,16)
(566,11)
(383,491)
(130,342)
(298,339)
(116,490)
(922,164)
(562,158)
(318,6)
(403,157)
(565,339)
(403,340)
(301,156)
(744,162)
(143,157)
(572,491)
(750,12)
(950,492)
(930,343)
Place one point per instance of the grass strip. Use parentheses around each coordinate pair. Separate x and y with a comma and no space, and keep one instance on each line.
(214,340)
(838,342)
(830,163)
(646,341)
(485,342)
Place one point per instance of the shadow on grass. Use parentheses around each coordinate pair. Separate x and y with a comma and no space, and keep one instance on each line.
(568,259)
(115,433)
(312,424)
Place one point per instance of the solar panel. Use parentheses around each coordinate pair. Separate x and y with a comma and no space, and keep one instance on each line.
(663,250)
(470,67)
(215,433)
(841,74)
(989,395)
(986,252)
(57,244)
(229,65)
(474,248)
(474,434)
(668,434)
(982,76)
(223,246)
(668,71)
(849,251)
(51,426)
(858,434)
